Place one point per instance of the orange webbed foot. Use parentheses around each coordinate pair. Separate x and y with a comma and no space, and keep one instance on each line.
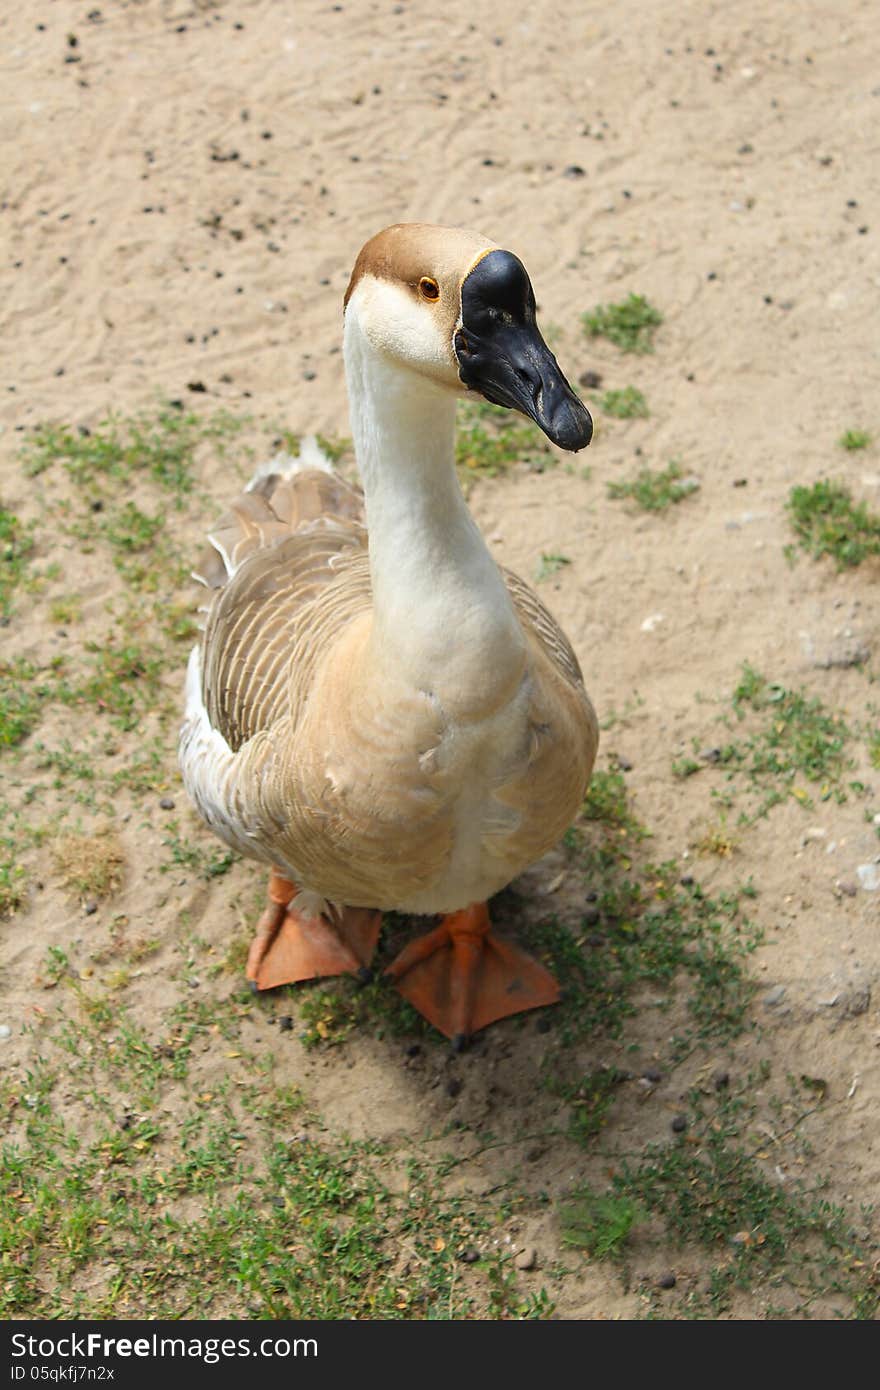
(290,945)
(461,977)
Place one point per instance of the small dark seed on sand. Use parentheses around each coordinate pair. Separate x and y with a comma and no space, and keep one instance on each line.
(720,1080)
(666,1281)
(679,1124)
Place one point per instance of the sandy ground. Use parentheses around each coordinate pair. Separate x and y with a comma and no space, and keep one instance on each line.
(184,188)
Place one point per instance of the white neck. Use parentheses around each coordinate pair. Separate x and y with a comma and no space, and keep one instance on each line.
(442,613)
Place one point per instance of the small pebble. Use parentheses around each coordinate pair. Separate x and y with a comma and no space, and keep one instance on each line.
(573,171)
(846,887)
(679,1124)
(624,764)
(869,876)
(592,380)
(710,755)
(469,1255)
(652,1074)
(5,1032)
(285,1023)
(527,1258)
(721,1080)
(666,1281)
(414,1050)
(774,996)
(167,803)
(90,907)
(687,880)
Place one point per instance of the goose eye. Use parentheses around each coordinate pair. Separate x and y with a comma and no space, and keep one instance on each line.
(428,288)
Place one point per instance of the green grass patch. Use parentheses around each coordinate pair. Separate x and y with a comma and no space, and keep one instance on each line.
(550,564)
(655,490)
(852,440)
(715,1189)
(781,740)
(12,881)
(21,701)
(628,403)
(148,1195)
(607,801)
(209,863)
(827,521)
(796,739)
(630,325)
(598,1224)
(643,928)
(489,440)
(158,445)
(16,545)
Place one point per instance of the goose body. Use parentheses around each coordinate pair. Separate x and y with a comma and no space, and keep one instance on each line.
(376,709)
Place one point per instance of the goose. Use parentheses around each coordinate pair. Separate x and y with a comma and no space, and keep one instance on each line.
(376,709)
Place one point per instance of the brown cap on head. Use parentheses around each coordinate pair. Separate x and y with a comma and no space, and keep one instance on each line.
(409,251)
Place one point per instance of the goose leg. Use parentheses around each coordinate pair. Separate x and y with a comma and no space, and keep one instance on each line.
(290,945)
(461,976)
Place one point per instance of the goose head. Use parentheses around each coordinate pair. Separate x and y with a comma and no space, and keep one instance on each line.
(452,307)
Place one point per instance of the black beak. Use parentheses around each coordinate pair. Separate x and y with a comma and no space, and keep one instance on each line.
(502,355)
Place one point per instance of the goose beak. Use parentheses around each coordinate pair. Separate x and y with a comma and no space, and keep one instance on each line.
(502,355)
